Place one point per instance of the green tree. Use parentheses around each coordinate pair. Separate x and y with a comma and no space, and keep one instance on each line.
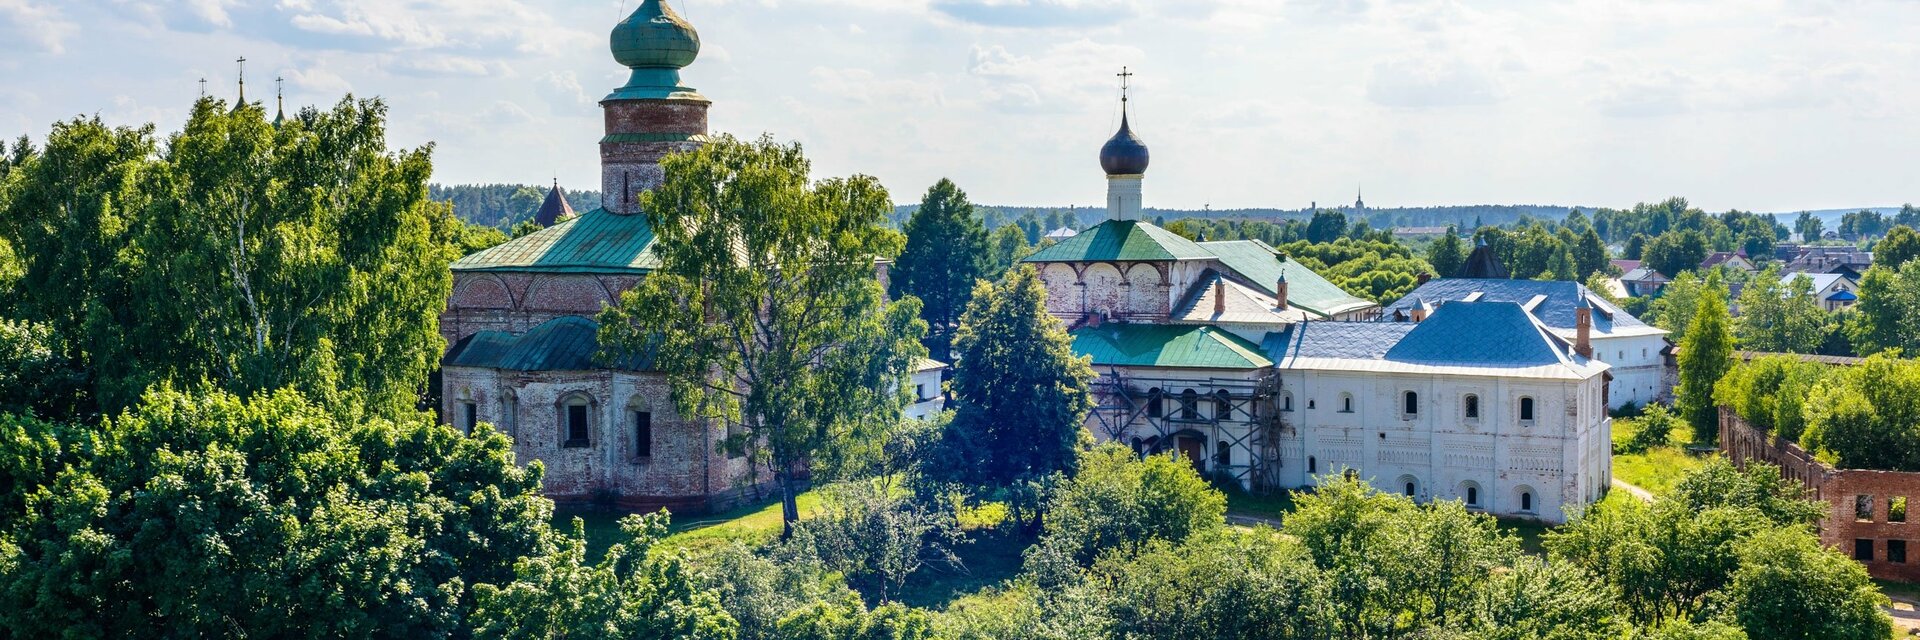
(1021,393)
(874,538)
(1672,253)
(1757,237)
(946,253)
(1788,586)
(1867,416)
(635,591)
(1673,310)
(1221,584)
(1780,318)
(1006,247)
(207,515)
(1327,225)
(1447,254)
(1883,320)
(764,311)
(1901,245)
(1590,255)
(1118,501)
(1770,393)
(1808,226)
(1705,355)
(35,376)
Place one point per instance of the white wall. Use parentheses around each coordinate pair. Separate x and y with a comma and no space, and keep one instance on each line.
(1638,368)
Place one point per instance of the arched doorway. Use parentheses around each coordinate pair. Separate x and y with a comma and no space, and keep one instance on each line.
(1193,448)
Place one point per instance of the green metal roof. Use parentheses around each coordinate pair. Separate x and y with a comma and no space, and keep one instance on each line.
(1160,345)
(1122,240)
(598,241)
(1261,265)
(567,343)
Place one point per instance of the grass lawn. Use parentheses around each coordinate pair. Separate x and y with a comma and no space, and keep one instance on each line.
(1273,505)
(989,557)
(753,524)
(1658,469)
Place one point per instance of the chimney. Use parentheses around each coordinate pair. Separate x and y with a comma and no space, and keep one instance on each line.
(1419,310)
(1280,293)
(1423,277)
(1219,297)
(1583,329)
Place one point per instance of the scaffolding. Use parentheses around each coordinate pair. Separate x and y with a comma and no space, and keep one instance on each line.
(1239,413)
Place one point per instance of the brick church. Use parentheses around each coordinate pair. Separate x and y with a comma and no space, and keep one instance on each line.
(521,326)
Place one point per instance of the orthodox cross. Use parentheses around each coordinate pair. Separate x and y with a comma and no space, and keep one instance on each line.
(243,78)
(203,87)
(1124,75)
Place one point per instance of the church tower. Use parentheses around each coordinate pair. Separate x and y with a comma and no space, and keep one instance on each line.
(653,115)
(1124,158)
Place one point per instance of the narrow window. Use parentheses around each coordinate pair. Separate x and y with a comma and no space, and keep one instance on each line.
(642,434)
(1286,402)
(1153,403)
(1222,405)
(1222,454)
(1473,407)
(1526,502)
(510,415)
(1863,508)
(1409,489)
(1897,509)
(1311,466)
(1346,403)
(471,412)
(1863,549)
(1473,496)
(920,393)
(576,425)
(1189,405)
(1897,551)
(1526,409)
(1411,402)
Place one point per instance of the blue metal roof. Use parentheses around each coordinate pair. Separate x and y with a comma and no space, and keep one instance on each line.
(1472,334)
(1556,310)
(1351,340)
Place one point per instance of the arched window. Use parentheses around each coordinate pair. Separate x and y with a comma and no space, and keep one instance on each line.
(1410,489)
(1154,408)
(1189,405)
(1473,495)
(1473,407)
(1312,467)
(1286,401)
(510,414)
(1222,405)
(576,411)
(1222,454)
(1346,403)
(1526,502)
(1526,409)
(1410,486)
(1410,403)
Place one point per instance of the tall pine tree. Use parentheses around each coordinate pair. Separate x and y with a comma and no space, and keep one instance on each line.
(1447,254)
(1705,355)
(946,252)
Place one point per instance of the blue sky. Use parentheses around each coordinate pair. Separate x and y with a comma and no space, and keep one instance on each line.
(1770,106)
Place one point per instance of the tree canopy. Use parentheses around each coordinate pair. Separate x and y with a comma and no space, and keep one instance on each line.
(946,252)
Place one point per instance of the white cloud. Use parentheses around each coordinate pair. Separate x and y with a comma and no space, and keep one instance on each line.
(1431,81)
(32,26)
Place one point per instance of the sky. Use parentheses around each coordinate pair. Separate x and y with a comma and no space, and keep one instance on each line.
(1757,105)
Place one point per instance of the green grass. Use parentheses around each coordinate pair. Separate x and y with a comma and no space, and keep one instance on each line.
(752,525)
(987,558)
(1275,505)
(1659,468)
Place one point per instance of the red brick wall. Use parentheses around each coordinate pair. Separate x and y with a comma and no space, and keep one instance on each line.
(1842,490)
(629,168)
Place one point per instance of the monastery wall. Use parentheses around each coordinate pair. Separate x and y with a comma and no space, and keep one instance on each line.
(1870,514)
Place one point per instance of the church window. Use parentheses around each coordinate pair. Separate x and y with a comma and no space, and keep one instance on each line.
(1222,454)
(470,416)
(1526,502)
(1153,403)
(1473,407)
(575,414)
(510,414)
(1473,495)
(1189,405)
(1346,403)
(1312,467)
(642,434)
(1309,403)
(1410,402)
(1409,489)
(1526,409)
(1222,405)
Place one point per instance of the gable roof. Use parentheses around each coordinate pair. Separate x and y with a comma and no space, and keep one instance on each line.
(1261,266)
(566,343)
(1463,338)
(1821,281)
(1625,266)
(1644,274)
(598,241)
(1160,345)
(1718,258)
(1554,306)
(1129,240)
(1243,305)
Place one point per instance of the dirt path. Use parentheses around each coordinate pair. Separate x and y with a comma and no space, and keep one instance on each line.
(1637,492)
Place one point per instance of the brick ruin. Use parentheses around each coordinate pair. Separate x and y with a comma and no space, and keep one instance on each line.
(1868,512)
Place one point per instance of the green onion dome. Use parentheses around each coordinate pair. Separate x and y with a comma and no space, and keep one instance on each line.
(655,43)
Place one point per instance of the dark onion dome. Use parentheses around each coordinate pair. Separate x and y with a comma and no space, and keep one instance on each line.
(655,43)
(1124,154)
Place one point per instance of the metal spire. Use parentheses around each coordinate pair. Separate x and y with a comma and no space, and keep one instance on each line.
(243,78)
(203,87)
